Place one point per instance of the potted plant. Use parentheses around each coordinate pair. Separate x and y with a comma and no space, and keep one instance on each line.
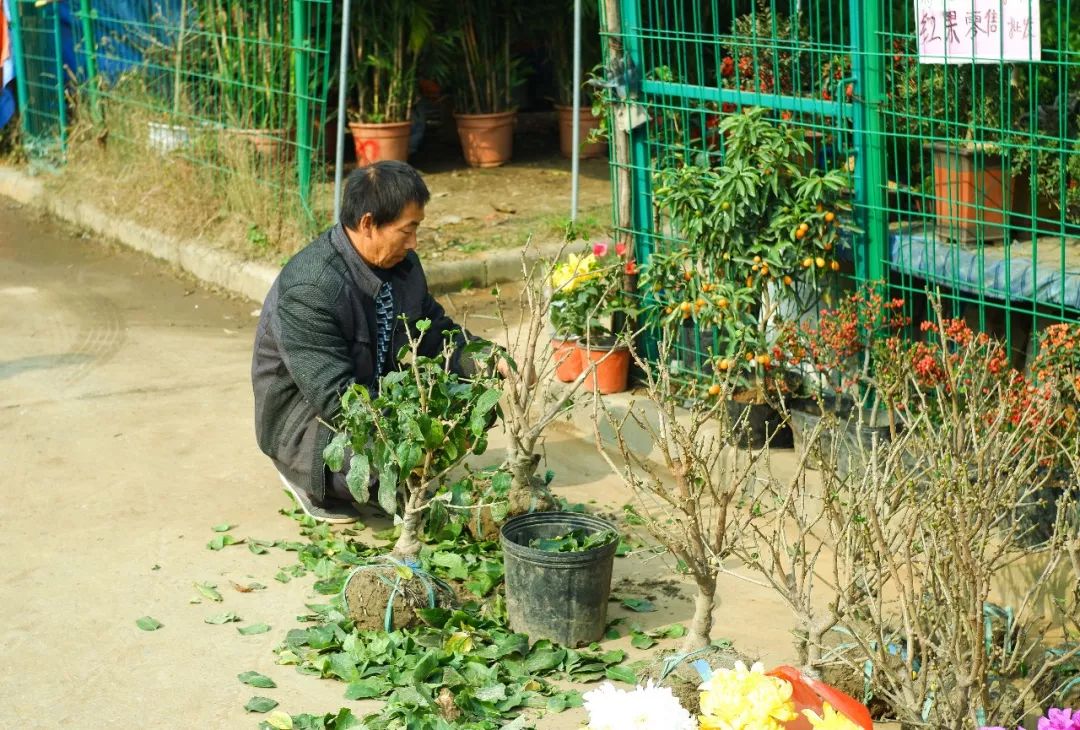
(952,108)
(588,311)
(558,575)
(761,237)
(832,357)
(251,49)
(559,37)
(419,426)
(387,43)
(483,74)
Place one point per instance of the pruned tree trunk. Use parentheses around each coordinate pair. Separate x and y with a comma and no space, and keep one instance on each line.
(700,629)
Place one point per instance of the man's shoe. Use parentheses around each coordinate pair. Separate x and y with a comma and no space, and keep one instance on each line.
(333,512)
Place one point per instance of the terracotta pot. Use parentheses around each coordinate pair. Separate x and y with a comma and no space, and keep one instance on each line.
(566,133)
(970,193)
(376,142)
(569,360)
(269,144)
(486,139)
(612,371)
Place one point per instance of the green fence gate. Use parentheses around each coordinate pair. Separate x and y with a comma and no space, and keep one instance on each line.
(957,119)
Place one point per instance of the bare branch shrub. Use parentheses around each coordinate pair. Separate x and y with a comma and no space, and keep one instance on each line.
(690,498)
(934,533)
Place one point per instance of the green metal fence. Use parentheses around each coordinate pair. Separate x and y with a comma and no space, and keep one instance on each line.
(42,74)
(963,158)
(235,89)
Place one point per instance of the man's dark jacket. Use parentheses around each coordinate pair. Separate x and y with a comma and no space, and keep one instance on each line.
(316,338)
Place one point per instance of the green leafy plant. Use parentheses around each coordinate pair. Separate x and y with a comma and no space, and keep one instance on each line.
(552,18)
(423,422)
(575,541)
(753,66)
(480,68)
(759,230)
(388,42)
(249,46)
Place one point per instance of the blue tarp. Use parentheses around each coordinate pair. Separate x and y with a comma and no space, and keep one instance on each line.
(124,29)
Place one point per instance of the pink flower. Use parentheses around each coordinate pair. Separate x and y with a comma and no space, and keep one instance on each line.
(620,249)
(1059,720)
(600,249)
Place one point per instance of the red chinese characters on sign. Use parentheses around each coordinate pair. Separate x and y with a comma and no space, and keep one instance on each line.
(979,31)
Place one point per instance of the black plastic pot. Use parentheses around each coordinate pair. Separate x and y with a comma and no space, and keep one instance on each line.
(558,596)
(763,425)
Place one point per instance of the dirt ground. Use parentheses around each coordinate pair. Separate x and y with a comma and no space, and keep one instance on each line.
(126,433)
(471,211)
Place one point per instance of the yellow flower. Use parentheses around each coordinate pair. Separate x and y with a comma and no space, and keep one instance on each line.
(830,719)
(573,272)
(745,699)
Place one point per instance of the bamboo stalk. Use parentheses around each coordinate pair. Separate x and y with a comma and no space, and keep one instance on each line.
(178,58)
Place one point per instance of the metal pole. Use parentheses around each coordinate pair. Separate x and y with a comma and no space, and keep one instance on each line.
(870,173)
(301,48)
(339,152)
(91,56)
(61,80)
(20,70)
(575,153)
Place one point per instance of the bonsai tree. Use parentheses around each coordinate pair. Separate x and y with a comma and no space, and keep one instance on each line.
(387,44)
(529,406)
(760,236)
(940,534)
(421,424)
(690,495)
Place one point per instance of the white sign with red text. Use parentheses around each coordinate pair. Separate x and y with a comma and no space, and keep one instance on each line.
(977,31)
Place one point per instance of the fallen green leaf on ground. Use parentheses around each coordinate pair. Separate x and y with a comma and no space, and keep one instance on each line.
(641,640)
(255,679)
(640,605)
(221,618)
(148,623)
(209,590)
(253,629)
(260,704)
(220,542)
(223,527)
(621,674)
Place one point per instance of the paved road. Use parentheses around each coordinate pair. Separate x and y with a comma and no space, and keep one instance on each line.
(125,434)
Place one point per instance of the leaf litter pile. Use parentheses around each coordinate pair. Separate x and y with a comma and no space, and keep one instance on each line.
(461,668)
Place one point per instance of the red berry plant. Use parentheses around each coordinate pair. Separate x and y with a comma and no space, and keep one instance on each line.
(837,351)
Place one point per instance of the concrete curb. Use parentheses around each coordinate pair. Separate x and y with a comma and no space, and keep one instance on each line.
(219,267)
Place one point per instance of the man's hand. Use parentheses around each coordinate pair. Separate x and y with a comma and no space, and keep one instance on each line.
(528,377)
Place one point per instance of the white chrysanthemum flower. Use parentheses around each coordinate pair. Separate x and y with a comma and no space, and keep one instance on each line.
(645,708)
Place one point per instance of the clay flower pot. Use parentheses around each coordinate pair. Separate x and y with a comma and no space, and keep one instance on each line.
(612,371)
(566,133)
(569,359)
(269,144)
(376,142)
(487,140)
(972,190)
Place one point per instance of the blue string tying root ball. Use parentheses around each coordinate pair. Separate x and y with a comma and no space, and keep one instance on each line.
(383,595)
